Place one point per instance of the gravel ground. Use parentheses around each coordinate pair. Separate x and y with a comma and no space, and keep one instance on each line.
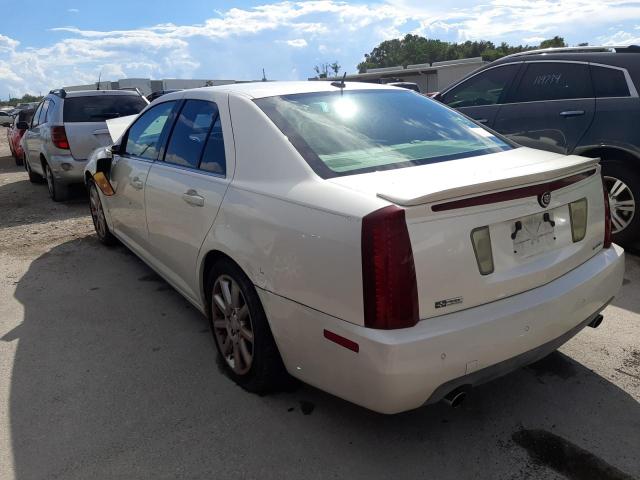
(106,372)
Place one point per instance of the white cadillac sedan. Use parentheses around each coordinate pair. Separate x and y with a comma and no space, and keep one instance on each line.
(363,238)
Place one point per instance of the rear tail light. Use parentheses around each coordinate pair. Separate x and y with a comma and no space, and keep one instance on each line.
(578,217)
(608,236)
(59,138)
(390,290)
(482,248)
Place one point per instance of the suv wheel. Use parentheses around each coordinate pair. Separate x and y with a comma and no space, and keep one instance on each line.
(623,186)
(57,191)
(241,331)
(33,177)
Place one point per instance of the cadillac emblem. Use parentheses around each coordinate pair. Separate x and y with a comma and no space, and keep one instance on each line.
(544,199)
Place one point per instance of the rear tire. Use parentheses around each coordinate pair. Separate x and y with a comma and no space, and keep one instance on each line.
(33,177)
(241,332)
(623,185)
(57,191)
(97,215)
(19,161)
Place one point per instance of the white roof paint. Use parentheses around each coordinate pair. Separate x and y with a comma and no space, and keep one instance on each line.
(274,89)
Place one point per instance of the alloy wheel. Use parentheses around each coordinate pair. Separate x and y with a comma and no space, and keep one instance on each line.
(97,213)
(232,324)
(621,202)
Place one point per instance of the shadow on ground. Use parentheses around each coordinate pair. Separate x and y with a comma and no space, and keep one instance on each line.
(25,203)
(115,377)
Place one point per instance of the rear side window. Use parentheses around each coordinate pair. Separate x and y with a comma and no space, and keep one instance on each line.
(553,81)
(145,135)
(101,108)
(190,133)
(609,82)
(34,122)
(213,159)
(485,88)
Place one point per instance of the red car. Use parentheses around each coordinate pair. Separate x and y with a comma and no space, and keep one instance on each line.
(14,134)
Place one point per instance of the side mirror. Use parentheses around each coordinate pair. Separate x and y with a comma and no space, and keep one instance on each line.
(22,126)
(115,149)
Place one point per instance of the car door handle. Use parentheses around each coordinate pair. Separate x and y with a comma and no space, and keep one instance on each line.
(136,183)
(572,113)
(482,120)
(192,198)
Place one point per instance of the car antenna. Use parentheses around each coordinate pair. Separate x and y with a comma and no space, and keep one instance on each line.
(340,84)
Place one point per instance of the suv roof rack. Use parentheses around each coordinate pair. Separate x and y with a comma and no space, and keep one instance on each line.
(585,49)
(60,92)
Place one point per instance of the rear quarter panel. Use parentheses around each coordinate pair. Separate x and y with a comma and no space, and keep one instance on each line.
(292,233)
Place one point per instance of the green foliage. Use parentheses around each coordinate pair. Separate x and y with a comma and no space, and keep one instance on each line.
(414,49)
(322,70)
(26,98)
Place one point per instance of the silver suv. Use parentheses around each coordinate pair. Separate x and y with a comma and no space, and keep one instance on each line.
(65,129)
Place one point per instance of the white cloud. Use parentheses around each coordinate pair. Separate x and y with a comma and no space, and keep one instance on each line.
(298,43)
(232,42)
(621,38)
(73,10)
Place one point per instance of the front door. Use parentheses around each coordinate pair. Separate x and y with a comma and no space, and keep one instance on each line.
(551,108)
(129,169)
(184,192)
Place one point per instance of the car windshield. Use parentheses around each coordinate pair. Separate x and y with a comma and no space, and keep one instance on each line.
(100,108)
(369,130)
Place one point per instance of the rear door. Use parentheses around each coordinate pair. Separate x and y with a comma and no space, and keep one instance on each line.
(140,147)
(550,108)
(84,119)
(479,96)
(184,192)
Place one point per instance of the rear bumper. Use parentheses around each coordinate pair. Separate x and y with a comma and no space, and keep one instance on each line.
(400,370)
(67,169)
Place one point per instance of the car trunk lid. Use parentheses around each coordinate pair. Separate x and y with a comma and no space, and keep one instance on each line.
(531,241)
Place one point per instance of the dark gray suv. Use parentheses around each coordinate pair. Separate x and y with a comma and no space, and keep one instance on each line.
(581,101)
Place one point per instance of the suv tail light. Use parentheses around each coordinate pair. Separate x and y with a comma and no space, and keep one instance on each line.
(59,138)
(390,289)
(608,236)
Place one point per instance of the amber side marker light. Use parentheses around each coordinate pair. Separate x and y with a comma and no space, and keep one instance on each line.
(103,184)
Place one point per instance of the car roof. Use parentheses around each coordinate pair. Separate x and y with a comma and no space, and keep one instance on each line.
(94,93)
(274,89)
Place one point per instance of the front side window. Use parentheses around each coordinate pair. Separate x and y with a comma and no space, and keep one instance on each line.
(553,81)
(485,88)
(609,82)
(145,135)
(101,107)
(368,130)
(190,133)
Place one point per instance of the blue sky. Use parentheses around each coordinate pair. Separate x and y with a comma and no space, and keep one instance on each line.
(46,44)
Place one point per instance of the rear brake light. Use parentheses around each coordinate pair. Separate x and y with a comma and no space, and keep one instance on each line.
(578,217)
(59,138)
(608,236)
(390,290)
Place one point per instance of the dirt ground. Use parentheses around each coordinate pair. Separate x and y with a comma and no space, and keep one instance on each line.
(106,372)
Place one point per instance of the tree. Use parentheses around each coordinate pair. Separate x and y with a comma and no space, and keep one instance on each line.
(553,42)
(322,70)
(414,49)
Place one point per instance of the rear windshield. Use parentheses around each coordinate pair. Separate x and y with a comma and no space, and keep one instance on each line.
(102,107)
(368,130)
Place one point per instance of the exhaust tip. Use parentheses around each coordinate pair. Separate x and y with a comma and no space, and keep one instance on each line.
(595,323)
(455,397)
